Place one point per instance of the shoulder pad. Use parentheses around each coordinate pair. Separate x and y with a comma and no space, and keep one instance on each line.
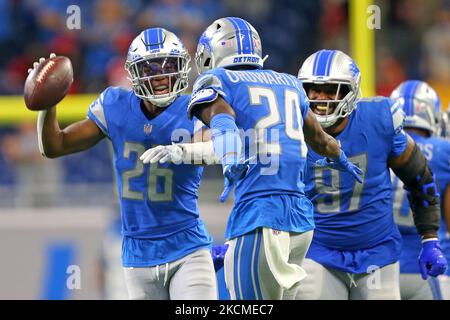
(201,96)
(207,80)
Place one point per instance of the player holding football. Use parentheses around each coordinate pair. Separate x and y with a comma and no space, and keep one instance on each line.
(356,246)
(271,225)
(166,247)
(419,102)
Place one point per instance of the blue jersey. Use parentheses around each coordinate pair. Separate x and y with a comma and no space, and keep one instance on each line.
(437,152)
(270,108)
(160,218)
(354,223)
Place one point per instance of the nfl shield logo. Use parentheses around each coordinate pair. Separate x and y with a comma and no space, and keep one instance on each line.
(147,128)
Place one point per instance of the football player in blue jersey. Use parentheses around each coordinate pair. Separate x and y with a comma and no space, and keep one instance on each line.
(356,246)
(420,102)
(271,224)
(166,247)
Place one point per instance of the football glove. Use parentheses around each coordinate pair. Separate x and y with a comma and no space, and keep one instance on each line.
(341,164)
(232,174)
(431,260)
(218,255)
(171,153)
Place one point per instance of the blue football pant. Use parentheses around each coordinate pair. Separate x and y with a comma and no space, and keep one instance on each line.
(247,272)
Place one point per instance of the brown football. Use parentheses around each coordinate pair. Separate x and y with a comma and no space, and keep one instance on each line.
(48,84)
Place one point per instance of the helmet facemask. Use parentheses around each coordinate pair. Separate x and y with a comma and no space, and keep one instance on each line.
(204,59)
(328,111)
(159,78)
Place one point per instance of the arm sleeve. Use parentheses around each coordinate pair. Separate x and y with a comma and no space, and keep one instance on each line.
(206,89)
(96,112)
(422,190)
(226,139)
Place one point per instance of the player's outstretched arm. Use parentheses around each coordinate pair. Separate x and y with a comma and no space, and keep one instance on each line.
(199,152)
(55,142)
(321,142)
(325,145)
(220,117)
(412,168)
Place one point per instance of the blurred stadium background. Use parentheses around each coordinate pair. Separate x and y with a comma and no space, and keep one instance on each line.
(60,213)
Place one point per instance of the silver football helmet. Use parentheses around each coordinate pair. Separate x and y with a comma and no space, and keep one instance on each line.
(445,127)
(420,103)
(228,42)
(336,70)
(154,55)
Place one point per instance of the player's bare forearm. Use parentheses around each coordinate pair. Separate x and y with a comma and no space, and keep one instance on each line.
(321,142)
(207,111)
(76,137)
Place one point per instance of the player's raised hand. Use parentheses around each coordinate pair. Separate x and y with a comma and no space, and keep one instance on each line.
(232,174)
(162,154)
(343,164)
(48,82)
(36,64)
(431,260)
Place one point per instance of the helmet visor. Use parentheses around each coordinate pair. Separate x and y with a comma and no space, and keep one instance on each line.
(159,76)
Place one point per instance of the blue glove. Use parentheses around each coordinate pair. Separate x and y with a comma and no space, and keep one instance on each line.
(232,174)
(431,260)
(342,164)
(218,255)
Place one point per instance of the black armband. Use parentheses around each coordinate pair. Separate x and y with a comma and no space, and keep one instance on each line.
(422,190)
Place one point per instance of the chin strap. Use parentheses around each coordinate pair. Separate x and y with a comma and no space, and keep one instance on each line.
(162,102)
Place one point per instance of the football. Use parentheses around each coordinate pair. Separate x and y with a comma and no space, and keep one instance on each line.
(48,84)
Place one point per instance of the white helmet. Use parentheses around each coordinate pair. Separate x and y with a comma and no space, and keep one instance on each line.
(334,67)
(445,127)
(154,53)
(420,103)
(228,42)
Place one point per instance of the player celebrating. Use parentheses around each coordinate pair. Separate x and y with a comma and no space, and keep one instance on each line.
(165,251)
(270,227)
(419,102)
(355,233)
